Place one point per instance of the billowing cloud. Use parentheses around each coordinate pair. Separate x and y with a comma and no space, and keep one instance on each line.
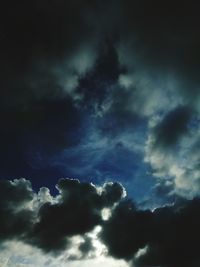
(69,67)
(167,236)
(101,91)
(46,221)
(158,47)
(78,211)
(71,226)
(16,215)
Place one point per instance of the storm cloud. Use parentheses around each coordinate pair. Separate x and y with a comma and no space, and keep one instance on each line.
(16,217)
(46,221)
(68,67)
(166,236)
(108,92)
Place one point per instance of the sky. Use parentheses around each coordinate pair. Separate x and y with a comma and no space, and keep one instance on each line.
(99,133)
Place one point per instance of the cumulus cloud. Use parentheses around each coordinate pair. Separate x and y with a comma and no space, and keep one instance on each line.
(78,211)
(48,222)
(167,236)
(70,226)
(16,215)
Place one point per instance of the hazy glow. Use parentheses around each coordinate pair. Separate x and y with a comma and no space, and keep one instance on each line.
(17,254)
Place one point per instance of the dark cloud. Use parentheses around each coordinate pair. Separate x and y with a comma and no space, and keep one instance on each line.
(77,79)
(158,47)
(112,193)
(170,150)
(165,36)
(77,212)
(45,48)
(37,39)
(16,218)
(167,236)
(61,62)
(45,43)
(173,126)
(125,232)
(47,223)
(97,84)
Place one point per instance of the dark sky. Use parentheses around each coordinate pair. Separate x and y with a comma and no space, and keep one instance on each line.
(99,133)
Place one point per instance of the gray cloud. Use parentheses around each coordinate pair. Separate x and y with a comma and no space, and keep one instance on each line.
(167,236)
(54,45)
(48,222)
(173,126)
(172,151)
(16,216)
(46,49)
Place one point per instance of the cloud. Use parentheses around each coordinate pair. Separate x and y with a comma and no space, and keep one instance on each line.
(57,44)
(128,70)
(67,223)
(123,222)
(86,246)
(54,44)
(167,236)
(48,222)
(17,254)
(160,41)
(77,212)
(173,126)
(171,150)
(46,48)
(16,215)
(116,67)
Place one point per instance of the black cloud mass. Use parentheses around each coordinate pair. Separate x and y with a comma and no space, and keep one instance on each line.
(77,212)
(15,218)
(172,127)
(167,236)
(108,92)
(47,224)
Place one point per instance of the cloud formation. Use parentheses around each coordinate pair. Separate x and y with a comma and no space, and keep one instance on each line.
(172,150)
(16,216)
(67,67)
(77,212)
(46,221)
(158,47)
(65,224)
(101,90)
(55,43)
(166,237)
